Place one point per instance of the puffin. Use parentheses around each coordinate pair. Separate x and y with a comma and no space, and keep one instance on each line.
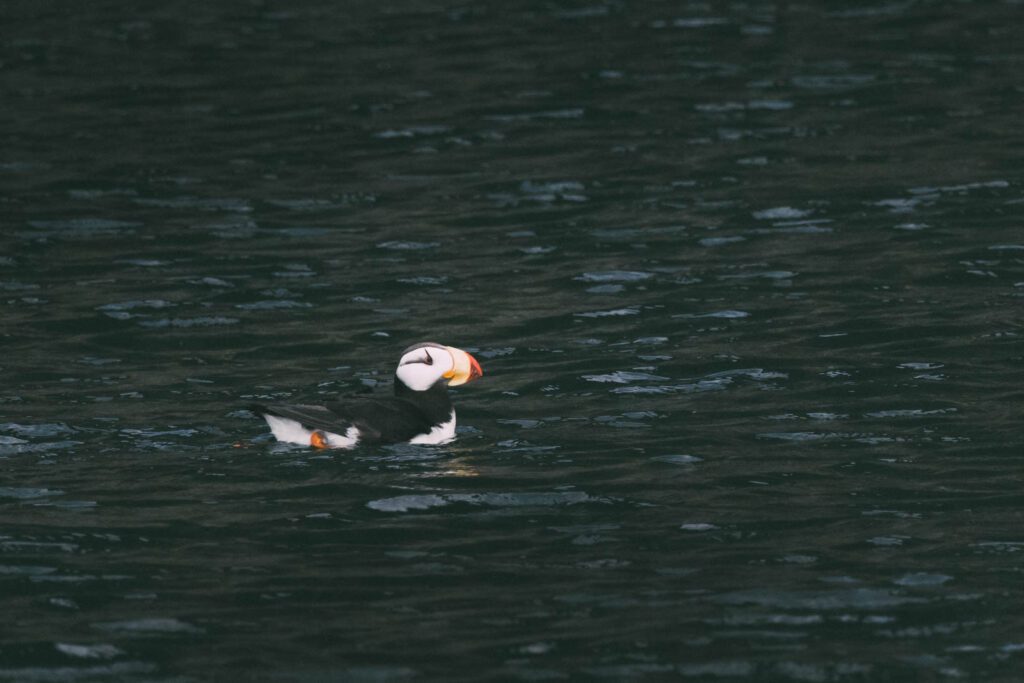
(420,412)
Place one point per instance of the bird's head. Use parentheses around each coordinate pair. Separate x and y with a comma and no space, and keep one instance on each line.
(423,365)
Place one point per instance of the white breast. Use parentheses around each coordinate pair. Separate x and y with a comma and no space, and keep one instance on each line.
(442,433)
(291,431)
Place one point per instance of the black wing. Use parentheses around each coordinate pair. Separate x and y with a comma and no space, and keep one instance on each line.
(311,417)
(383,420)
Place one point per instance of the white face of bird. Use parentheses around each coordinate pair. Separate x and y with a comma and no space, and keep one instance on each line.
(423,365)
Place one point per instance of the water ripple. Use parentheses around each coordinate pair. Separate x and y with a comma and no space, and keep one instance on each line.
(150,625)
(428,501)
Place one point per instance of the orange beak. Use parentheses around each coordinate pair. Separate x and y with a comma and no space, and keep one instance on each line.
(475,371)
(464,368)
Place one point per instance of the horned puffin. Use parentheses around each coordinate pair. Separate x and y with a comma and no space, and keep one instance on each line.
(420,412)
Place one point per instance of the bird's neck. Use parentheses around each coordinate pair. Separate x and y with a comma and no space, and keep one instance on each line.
(434,402)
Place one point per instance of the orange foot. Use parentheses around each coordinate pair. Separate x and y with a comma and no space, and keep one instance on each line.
(318,440)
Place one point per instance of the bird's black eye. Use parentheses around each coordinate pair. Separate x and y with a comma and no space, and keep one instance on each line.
(428,360)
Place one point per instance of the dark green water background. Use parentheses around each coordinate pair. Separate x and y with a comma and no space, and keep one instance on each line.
(745,279)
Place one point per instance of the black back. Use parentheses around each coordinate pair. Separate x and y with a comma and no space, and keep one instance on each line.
(382,420)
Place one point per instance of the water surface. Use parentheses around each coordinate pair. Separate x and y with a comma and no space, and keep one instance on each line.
(745,281)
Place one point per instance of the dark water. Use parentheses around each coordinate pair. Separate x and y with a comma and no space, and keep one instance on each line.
(745,279)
